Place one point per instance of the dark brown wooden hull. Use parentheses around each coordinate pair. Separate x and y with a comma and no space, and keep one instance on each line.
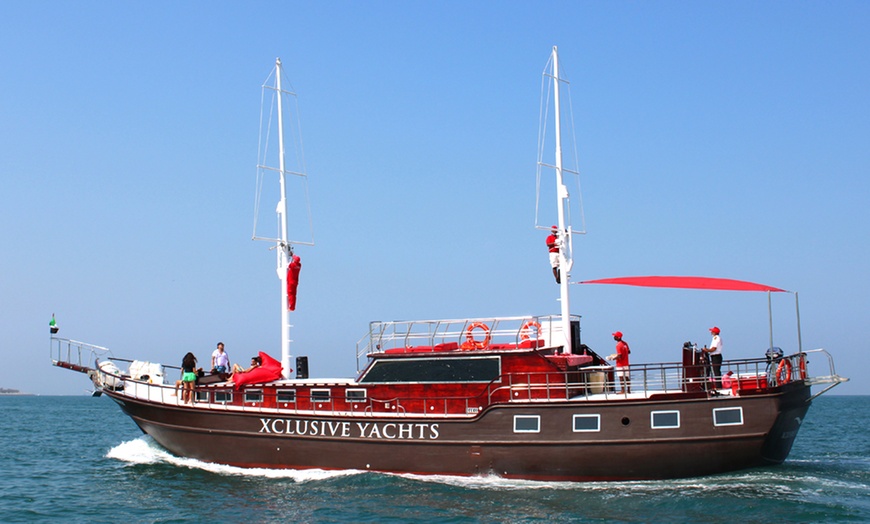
(625,448)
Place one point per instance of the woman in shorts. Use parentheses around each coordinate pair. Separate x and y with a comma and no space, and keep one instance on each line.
(188,377)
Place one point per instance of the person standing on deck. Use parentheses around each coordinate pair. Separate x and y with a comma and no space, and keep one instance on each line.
(553,245)
(220,361)
(621,357)
(188,378)
(715,352)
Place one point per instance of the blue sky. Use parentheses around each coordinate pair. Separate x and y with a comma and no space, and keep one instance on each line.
(725,139)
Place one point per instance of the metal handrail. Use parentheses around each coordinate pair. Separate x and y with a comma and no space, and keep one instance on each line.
(384,335)
(582,383)
(64,349)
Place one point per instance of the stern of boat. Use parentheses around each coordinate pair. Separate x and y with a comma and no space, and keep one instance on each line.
(795,399)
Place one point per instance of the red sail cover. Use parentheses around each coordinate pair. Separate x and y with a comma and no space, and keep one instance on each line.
(293,281)
(268,371)
(724,284)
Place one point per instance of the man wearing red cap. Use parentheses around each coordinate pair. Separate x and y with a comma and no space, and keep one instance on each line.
(553,245)
(621,357)
(715,352)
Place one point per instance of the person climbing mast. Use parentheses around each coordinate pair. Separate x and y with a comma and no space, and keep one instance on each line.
(553,244)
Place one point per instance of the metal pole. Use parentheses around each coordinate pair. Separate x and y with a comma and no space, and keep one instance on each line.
(283,247)
(561,197)
(798,311)
(770,319)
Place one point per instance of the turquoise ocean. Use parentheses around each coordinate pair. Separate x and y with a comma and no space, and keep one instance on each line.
(79,459)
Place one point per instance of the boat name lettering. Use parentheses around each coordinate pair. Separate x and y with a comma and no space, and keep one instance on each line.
(346,429)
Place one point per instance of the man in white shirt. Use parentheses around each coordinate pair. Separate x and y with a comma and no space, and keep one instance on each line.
(220,361)
(715,352)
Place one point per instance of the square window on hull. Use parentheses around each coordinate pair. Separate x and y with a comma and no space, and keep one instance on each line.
(223,396)
(728,416)
(286,396)
(253,396)
(527,423)
(587,423)
(355,395)
(320,395)
(665,419)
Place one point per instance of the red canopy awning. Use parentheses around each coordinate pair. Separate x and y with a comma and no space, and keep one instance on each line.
(724,284)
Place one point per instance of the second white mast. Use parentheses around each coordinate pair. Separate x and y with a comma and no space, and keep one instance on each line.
(565,233)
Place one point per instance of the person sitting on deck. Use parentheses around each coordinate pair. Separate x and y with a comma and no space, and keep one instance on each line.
(267,370)
(728,380)
(255,363)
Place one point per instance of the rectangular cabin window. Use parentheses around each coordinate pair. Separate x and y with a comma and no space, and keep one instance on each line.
(665,419)
(223,396)
(255,395)
(587,423)
(320,395)
(286,396)
(355,395)
(433,370)
(527,423)
(202,396)
(728,416)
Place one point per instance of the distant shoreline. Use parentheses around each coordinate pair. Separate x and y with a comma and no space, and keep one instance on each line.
(13,392)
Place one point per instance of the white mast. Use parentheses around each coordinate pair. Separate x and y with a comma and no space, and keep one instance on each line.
(565,233)
(283,245)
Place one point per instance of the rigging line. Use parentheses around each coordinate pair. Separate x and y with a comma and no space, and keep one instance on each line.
(269,77)
(542,133)
(303,169)
(576,160)
(299,157)
(264,147)
(258,184)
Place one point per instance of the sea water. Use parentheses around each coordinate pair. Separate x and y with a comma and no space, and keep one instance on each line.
(79,459)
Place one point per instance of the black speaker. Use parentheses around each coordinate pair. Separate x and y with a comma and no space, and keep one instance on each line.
(576,345)
(301,367)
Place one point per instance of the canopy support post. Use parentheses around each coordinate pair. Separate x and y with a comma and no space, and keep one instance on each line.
(798,313)
(770,318)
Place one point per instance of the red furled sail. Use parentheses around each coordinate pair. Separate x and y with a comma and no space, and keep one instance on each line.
(269,370)
(293,281)
(723,284)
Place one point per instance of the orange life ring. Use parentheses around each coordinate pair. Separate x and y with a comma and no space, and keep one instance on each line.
(470,342)
(526,330)
(802,366)
(783,372)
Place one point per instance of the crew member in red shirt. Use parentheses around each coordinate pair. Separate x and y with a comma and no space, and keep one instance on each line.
(621,357)
(553,245)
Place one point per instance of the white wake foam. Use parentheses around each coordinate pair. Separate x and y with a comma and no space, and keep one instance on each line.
(144,450)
